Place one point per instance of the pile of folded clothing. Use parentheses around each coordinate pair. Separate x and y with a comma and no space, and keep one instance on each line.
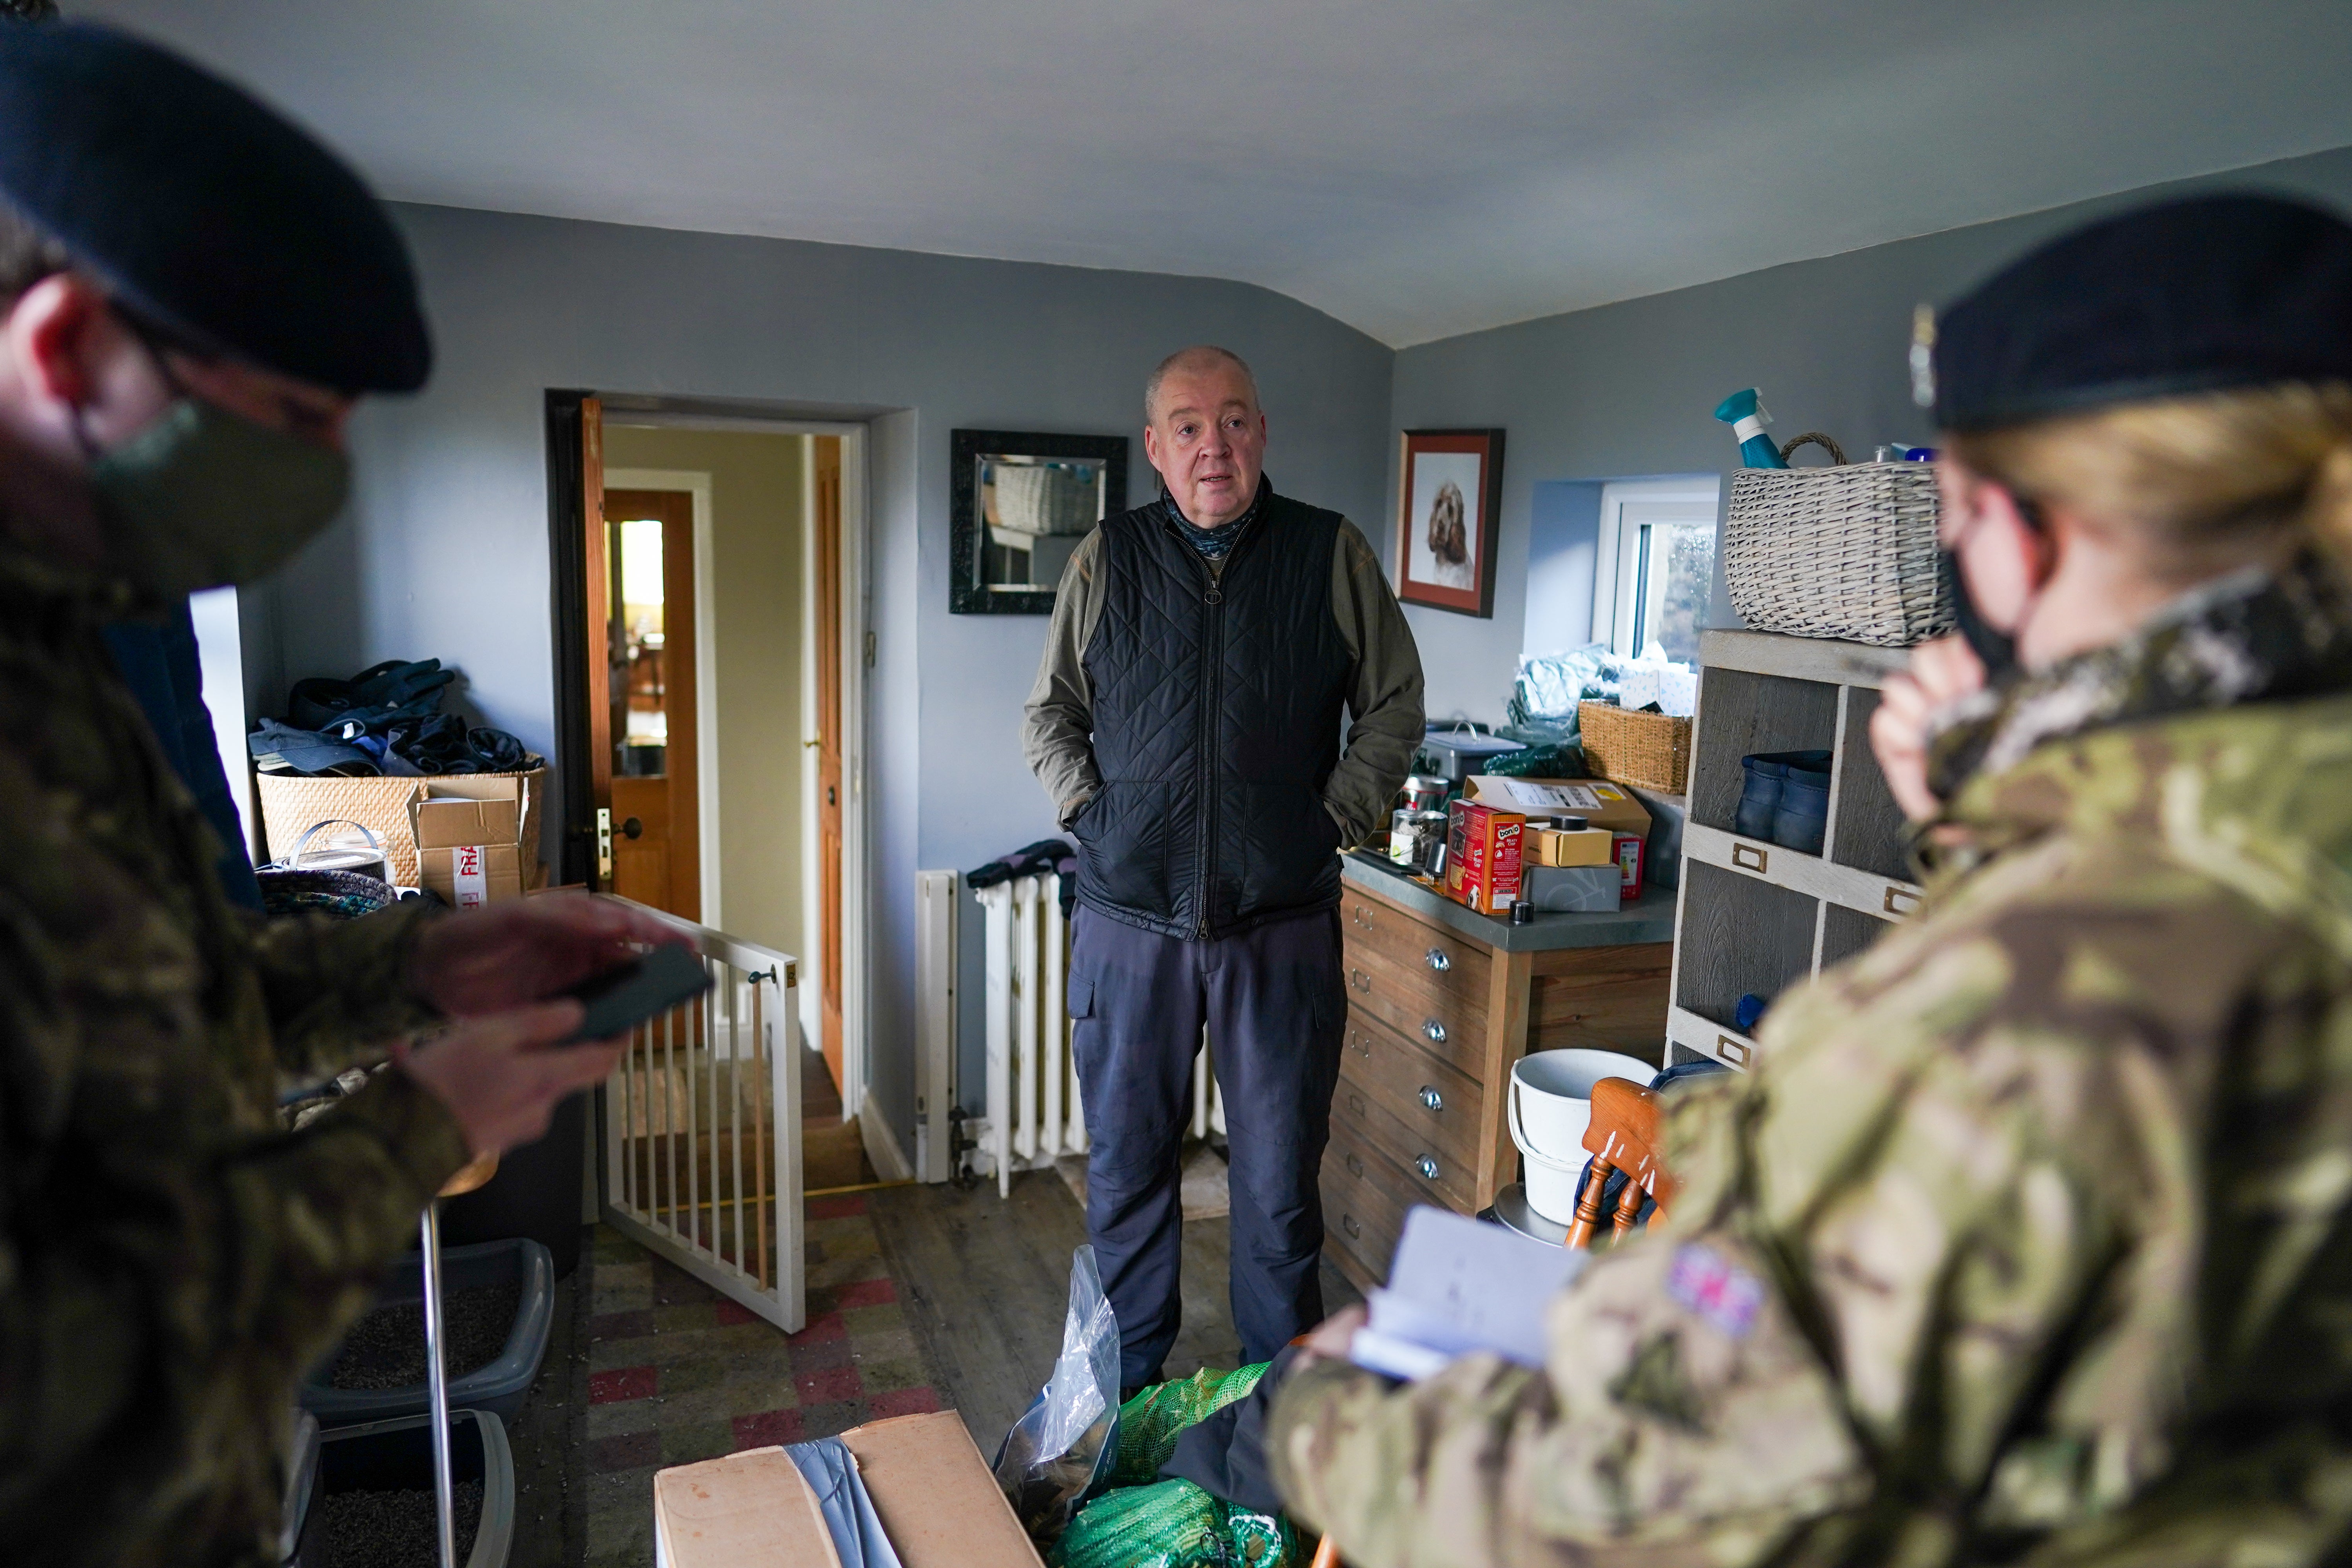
(386,720)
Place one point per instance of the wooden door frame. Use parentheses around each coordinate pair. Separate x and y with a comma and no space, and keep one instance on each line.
(567,594)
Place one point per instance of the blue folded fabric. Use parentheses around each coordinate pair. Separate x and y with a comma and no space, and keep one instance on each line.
(830,1471)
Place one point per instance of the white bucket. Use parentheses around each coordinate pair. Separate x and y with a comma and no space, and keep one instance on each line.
(1550,1107)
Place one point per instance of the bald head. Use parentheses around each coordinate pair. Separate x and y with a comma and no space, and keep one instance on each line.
(1194,360)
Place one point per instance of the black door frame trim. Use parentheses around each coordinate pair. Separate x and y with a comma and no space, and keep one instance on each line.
(567,580)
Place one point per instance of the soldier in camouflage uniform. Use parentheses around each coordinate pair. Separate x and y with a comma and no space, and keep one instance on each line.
(2031,1237)
(191,294)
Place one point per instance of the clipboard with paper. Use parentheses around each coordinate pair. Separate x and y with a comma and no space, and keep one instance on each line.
(1457,1286)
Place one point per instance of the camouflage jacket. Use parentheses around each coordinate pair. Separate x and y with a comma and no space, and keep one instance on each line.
(2030,1239)
(171,1259)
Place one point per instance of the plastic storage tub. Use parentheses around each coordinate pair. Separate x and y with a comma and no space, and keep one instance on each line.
(397,1455)
(498,1387)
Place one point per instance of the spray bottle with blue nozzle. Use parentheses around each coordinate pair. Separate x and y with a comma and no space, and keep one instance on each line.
(1745,413)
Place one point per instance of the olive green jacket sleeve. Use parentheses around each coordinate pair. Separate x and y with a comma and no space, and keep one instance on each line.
(2020,1204)
(1384,689)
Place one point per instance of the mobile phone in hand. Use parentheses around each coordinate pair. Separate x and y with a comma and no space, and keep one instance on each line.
(620,998)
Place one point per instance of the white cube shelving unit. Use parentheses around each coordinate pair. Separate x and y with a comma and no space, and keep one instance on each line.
(1752,916)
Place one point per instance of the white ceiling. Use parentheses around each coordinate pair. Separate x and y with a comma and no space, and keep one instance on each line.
(1415,169)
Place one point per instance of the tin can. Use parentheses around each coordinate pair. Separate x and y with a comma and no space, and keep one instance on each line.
(1425,792)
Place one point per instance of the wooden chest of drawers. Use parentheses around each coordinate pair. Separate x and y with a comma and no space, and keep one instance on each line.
(1436,1015)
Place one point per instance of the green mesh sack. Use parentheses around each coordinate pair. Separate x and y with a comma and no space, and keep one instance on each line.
(1148,1424)
(1171,1524)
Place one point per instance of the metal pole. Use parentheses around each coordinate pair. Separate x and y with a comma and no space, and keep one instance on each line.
(436,1381)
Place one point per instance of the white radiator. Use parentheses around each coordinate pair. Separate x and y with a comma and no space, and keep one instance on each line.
(1034,1116)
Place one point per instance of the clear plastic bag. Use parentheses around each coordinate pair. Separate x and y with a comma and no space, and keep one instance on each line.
(1065,1443)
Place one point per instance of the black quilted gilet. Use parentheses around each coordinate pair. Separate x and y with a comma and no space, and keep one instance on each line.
(1217,707)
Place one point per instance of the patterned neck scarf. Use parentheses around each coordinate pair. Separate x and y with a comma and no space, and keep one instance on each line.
(1213,543)
(2249,636)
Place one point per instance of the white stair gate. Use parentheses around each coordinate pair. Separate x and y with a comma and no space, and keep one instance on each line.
(702,1130)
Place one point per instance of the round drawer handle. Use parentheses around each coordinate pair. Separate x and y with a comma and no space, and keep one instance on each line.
(1436,1031)
(1355,1166)
(1439,960)
(1427,1167)
(1348,1223)
(1432,1098)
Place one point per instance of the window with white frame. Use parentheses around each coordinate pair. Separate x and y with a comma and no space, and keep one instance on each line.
(1655,568)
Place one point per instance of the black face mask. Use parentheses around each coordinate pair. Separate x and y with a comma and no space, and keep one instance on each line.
(1994,648)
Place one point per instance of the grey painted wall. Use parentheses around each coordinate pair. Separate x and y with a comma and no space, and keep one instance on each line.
(1629,390)
(445,549)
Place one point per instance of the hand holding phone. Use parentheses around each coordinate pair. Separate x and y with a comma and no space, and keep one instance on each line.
(629,993)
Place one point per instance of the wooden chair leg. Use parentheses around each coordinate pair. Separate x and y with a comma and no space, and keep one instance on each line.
(1629,1203)
(1587,1204)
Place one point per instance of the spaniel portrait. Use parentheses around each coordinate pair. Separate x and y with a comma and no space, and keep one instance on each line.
(1449,537)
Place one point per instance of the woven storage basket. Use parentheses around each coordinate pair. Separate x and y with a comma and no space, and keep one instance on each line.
(1649,750)
(292,802)
(1837,553)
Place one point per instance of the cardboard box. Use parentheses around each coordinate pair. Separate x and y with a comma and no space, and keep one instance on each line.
(1598,801)
(937,1500)
(1570,846)
(469,836)
(1483,856)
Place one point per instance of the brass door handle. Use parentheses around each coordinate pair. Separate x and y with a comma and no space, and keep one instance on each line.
(633,828)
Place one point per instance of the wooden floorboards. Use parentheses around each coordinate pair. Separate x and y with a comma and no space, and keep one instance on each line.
(984,1282)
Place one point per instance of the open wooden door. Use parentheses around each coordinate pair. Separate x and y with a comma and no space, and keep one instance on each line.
(651,766)
(825,523)
(593,651)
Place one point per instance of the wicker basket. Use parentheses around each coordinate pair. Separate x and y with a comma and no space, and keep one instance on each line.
(1651,751)
(292,804)
(1837,553)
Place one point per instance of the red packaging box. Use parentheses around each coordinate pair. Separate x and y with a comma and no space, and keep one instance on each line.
(1483,857)
(1632,850)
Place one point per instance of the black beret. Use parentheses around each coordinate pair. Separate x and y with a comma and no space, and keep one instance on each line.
(2183,297)
(210,215)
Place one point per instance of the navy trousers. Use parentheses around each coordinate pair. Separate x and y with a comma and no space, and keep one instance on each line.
(1275,1003)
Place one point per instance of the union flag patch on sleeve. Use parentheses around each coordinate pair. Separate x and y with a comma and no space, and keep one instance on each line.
(1704,1281)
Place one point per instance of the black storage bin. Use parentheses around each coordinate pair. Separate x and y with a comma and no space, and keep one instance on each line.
(498,1386)
(397,1455)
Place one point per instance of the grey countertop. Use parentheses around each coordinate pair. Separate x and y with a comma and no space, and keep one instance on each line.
(1650,919)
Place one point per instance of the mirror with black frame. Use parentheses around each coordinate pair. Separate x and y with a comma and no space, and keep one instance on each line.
(1021,503)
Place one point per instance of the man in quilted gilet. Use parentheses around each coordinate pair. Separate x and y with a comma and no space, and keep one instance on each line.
(1187,724)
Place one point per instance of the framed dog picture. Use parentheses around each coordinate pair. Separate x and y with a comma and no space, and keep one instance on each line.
(1451,488)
